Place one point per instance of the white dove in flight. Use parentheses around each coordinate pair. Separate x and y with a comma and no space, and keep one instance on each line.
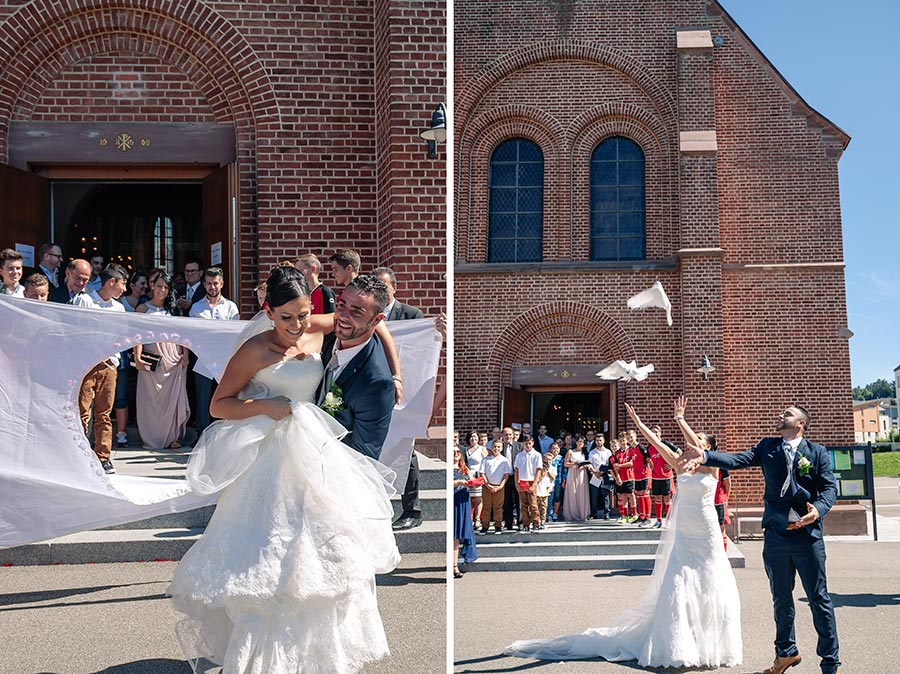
(654,296)
(620,370)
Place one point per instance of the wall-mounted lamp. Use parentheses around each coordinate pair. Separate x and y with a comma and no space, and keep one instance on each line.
(706,368)
(437,132)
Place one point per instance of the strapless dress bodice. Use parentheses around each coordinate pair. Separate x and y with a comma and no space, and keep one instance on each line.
(297,380)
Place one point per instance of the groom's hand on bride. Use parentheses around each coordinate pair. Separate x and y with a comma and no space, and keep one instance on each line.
(690,459)
(812,514)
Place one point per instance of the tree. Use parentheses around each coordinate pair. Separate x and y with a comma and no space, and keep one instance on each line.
(877,389)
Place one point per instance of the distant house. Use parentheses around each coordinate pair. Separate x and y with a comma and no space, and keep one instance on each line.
(873,420)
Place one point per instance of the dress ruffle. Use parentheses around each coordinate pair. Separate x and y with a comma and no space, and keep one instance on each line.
(689,615)
(283,578)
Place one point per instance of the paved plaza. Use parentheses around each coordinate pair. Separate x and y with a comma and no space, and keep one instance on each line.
(494,609)
(116,619)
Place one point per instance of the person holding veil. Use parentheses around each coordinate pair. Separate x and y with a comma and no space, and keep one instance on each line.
(689,615)
(283,580)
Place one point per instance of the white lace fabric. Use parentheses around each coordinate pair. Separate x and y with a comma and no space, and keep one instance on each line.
(283,579)
(689,615)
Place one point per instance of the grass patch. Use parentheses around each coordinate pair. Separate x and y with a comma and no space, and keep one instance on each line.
(886,464)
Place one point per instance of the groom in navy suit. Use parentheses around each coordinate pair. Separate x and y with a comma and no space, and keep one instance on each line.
(358,367)
(800,490)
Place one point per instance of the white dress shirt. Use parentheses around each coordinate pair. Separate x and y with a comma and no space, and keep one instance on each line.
(344,356)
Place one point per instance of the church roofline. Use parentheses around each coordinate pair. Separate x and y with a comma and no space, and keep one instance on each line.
(813,116)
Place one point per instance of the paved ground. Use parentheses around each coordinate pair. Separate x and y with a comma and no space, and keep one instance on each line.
(115,619)
(862,577)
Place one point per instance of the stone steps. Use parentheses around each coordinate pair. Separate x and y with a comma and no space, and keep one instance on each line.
(170,535)
(564,546)
(148,545)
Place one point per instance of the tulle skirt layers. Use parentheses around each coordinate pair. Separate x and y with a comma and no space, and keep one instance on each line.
(283,579)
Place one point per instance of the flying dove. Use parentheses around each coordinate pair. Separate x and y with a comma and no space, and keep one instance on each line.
(626,371)
(654,296)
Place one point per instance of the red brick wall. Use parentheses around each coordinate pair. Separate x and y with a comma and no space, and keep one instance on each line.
(298,81)
(570,74)
(122,87)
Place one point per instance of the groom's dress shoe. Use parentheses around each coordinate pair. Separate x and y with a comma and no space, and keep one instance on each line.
(782,663)
(407,523)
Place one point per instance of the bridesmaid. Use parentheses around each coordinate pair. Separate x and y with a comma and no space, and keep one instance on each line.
(576,504)
(162,405)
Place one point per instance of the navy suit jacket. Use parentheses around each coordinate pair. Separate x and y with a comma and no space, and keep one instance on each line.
(403,312)
(368,393)
(817,487)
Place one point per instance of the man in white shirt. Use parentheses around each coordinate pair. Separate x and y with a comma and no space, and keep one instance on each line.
(496,471)
(11,273)
(98,388)
(600,482)
(526,466)
(213,307)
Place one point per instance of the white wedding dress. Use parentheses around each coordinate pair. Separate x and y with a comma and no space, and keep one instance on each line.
(689,616)
(283,580)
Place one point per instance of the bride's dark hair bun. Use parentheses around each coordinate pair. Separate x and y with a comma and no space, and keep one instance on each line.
(284,285)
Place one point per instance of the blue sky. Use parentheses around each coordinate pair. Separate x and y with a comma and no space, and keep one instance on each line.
(843,58)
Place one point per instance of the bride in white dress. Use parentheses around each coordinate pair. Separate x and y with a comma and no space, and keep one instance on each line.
(689,615)
(283,580)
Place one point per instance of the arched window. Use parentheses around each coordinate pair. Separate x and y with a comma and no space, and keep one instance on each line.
(618,211)
(516,203)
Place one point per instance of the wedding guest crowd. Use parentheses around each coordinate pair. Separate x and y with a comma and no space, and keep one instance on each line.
(531,481)
(163,382)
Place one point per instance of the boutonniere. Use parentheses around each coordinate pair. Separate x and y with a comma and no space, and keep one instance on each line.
(334,400)
(803,465)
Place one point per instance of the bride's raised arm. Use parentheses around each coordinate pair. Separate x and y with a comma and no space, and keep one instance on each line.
(664,451)
(679,406)
(245,363)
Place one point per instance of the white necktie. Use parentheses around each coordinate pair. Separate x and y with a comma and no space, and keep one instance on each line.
(789,458)
(330,369)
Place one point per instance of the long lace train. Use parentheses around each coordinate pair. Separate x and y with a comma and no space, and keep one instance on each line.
(689,614)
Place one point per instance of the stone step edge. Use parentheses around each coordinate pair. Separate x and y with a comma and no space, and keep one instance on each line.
(532,564)
(733,554)
(168,544)
(426,494)
(125,535)
(488,545)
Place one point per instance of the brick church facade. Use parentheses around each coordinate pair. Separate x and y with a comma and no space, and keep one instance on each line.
(298,122)
(600,147)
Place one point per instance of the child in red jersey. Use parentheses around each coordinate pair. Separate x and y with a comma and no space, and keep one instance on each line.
(641,459)
(661,479)
(621,462)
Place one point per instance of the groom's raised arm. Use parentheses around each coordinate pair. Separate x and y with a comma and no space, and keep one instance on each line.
(728,461)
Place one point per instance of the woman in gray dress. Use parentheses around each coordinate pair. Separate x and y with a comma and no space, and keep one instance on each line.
(162,405)
(576,504)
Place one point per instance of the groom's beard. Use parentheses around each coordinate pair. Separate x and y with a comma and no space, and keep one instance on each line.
(355,333)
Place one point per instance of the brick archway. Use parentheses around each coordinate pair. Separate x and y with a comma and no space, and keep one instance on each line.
(547,320)
(552,50)
(43,38)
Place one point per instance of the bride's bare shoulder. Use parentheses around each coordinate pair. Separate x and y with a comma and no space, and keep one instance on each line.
(254,351)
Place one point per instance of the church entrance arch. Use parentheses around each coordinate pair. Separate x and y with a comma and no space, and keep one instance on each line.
(569,398)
